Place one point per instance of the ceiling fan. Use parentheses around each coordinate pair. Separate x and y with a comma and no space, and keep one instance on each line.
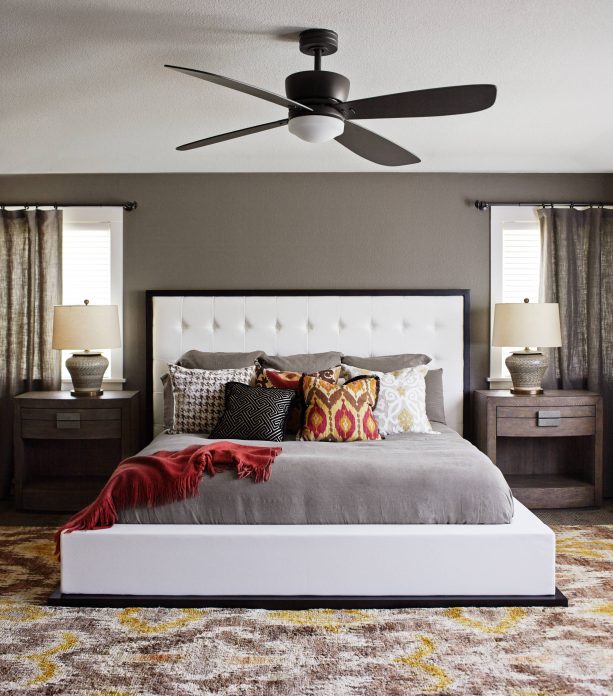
(319,110)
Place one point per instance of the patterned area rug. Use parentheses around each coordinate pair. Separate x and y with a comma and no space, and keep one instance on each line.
(112,652)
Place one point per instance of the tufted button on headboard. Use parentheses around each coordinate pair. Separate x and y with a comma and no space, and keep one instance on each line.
(366,323)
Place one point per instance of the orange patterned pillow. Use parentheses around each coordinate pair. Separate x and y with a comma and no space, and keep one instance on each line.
(340,413)
(275,379)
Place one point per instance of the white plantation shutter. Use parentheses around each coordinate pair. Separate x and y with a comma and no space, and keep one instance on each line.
(515,266)
(86,263)
(521,258)
(92,267)
(86,269)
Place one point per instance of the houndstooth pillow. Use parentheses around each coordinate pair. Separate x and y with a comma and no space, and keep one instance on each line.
(199,396)
(401,407)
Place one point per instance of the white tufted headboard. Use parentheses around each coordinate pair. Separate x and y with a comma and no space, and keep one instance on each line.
(367,323)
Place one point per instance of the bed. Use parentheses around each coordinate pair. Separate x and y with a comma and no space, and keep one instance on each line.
(414,520)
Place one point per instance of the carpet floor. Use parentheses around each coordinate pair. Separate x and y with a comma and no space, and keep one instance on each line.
(490,652)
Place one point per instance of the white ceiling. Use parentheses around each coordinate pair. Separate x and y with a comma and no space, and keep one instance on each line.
(83,88)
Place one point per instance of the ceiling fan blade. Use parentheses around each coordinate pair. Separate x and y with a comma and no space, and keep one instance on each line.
(241,87)
(442,101)
(233,134)
(374,147)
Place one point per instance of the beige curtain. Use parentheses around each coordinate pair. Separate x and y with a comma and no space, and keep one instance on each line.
(30,284)
(577,272)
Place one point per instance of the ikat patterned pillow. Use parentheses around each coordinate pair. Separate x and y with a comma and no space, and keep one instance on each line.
(199,396)
(340,413)
(402,399)
(277,379)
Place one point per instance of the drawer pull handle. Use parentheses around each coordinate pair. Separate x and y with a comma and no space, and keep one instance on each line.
(68,421)
(548,419)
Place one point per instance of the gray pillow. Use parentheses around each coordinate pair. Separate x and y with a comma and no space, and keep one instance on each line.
(169,402)
(203,360)
(304,362)
(387,363)
(435,402)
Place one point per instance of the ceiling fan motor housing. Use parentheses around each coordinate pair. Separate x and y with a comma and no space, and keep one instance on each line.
(317,88)
(322,91)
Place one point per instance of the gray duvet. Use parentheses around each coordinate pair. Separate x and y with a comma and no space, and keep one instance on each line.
(406,479)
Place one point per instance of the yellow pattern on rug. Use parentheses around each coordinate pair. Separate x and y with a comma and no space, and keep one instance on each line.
(48,667)
(332,620)
(129,618)
(416,660)
(10,611)
(512,616)
(574,545)
(605,609)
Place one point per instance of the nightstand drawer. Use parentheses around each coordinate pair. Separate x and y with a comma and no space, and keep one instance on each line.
(42,423)
(530,427)
(533,411)
(85,414)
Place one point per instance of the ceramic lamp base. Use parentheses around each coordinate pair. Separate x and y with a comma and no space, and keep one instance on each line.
(527,369)
(86,371)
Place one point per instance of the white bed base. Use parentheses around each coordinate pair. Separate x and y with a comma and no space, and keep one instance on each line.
(311,565)
(325,561)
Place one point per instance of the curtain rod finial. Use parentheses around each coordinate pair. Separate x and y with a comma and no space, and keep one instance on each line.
(481,205)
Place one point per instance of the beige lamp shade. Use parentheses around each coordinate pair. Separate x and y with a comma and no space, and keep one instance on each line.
(527,324)
(84,327)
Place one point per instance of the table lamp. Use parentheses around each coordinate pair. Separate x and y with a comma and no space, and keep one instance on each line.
(86,327)
(527,324)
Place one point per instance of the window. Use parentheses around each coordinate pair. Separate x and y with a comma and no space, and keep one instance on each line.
(92,253)
(515,268)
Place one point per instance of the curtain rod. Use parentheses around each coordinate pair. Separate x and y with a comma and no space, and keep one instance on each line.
(484,205)
(126,205)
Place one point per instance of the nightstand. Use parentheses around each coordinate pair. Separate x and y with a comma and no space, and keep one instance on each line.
(66,447)
(549,447)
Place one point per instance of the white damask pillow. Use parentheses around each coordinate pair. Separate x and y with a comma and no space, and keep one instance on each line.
(199,396)
(401,407)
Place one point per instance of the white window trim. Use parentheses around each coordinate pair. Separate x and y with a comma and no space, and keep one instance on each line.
(114,216)
(499,216)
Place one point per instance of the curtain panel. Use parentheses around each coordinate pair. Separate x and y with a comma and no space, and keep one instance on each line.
(31,272)
(577,272)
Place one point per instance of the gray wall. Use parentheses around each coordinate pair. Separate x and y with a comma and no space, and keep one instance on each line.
(285,231)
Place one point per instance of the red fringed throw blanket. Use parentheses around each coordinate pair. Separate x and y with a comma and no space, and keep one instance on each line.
(167,476)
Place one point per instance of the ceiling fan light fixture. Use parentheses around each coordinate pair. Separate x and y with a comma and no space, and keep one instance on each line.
(316,128)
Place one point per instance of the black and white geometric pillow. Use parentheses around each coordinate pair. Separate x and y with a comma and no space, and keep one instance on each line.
(254,414)
(199,396)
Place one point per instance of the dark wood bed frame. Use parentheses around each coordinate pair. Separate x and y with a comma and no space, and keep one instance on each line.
(303,602)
